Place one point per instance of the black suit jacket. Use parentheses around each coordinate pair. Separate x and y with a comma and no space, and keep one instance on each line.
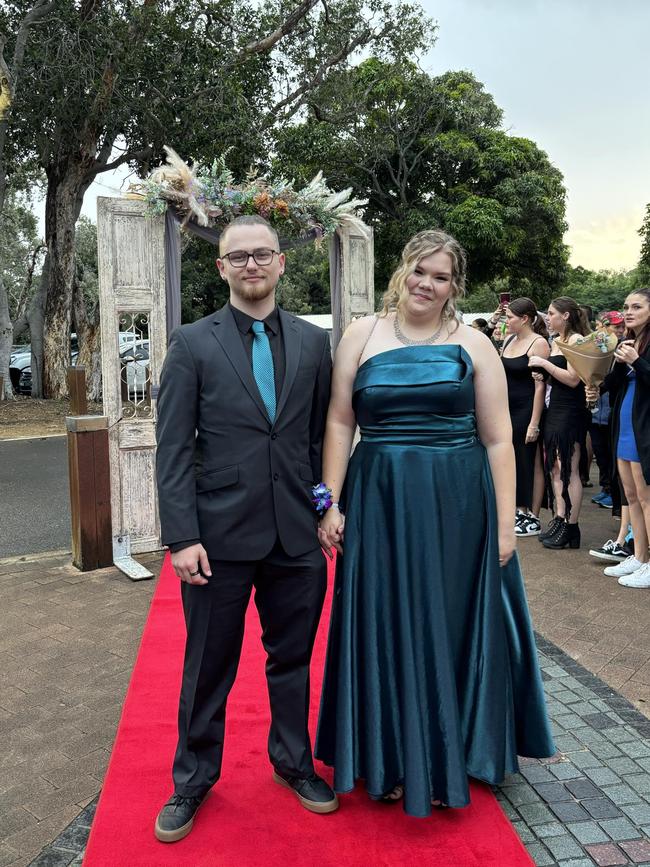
(225,474)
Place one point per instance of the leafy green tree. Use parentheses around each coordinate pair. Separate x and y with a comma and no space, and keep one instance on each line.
(429,151)
(601,290)
(303,289)
(22,255)
(108,82)
(12,63)
(644,258)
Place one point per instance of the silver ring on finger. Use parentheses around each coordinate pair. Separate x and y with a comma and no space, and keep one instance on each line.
(193,574)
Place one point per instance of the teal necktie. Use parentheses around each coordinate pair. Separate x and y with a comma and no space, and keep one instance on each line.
(263,367)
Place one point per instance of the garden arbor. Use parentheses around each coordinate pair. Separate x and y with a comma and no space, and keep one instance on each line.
(139,286)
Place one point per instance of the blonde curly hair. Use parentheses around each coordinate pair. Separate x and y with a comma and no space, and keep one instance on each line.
(425,244)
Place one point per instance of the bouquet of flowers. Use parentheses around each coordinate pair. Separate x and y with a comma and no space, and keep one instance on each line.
(590,356)
(213,198)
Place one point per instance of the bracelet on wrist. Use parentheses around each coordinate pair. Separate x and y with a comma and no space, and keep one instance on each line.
(321,497)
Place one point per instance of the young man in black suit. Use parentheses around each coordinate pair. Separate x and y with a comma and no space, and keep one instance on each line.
(241,416)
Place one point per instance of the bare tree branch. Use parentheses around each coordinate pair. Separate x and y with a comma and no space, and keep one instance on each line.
(129,156)
(261,46)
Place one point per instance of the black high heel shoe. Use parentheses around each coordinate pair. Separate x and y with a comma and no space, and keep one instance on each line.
(569,536)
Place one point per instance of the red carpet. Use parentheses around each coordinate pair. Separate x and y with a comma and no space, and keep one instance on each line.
(248,819)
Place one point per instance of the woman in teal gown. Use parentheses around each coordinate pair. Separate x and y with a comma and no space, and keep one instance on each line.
(431,674)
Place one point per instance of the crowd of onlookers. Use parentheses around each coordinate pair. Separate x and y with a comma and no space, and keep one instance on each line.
(560,424)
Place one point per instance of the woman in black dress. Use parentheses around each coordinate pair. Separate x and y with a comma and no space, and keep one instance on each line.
(526,335)
(565,426)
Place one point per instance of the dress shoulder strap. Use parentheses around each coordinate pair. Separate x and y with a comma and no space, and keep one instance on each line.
(533,341)
(507,343)
(370,333)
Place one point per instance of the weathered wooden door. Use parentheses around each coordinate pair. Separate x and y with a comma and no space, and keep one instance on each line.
(131,255)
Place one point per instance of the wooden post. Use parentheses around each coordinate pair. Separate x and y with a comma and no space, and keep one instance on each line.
(352,280)
(90,491)
(77,391)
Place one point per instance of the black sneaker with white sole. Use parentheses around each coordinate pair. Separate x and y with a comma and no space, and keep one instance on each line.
(529,525)
(611,551)
(176,818)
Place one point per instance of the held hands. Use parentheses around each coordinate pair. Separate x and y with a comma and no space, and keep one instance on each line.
(537,361)
(507,544)
(330,532)
(625,352)
(192,560)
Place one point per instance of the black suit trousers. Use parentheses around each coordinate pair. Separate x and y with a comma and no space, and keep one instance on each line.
(289,594)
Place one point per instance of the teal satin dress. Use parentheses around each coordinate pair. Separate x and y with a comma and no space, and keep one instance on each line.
(432,673)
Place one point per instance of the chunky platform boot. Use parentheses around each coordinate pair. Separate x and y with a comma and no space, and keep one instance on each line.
(553,528)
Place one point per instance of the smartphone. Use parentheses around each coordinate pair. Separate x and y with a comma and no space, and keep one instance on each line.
(504,298)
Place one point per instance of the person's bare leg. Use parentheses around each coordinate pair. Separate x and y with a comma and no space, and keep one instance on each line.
(575,486)
(538,484)
(625,520)
(636,512)
(643,496)
(556,481)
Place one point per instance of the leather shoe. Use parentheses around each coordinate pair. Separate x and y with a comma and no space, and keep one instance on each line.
(176,818)
(312,792)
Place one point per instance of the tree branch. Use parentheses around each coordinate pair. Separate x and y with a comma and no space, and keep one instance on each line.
(127,157)
(39,10)
(265,44)
(294,97)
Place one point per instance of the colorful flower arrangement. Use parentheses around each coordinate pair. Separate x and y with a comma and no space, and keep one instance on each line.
(211,197)
(603,340)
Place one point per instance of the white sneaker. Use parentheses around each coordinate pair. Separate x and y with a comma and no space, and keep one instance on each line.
(640,578)
(627,567)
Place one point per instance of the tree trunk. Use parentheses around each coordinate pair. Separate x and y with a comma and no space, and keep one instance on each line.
(88,333)
(6,339)
(65,191)
(36,320)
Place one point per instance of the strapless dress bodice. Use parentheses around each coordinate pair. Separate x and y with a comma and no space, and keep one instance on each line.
(421,395)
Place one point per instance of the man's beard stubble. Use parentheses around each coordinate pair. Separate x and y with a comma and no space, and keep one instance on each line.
(253,292)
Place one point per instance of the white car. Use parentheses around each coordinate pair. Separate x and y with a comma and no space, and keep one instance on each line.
(134,358)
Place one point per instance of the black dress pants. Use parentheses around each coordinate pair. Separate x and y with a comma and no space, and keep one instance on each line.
(289,594)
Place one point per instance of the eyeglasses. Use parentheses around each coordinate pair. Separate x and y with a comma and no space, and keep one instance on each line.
(261,256)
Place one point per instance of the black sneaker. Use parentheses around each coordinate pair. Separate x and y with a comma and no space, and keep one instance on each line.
(312,792)
(528,526)
(176,818)
(611,551)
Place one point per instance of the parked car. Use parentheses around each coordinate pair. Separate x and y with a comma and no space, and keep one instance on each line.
(20,358)
(24,384)
(135,359)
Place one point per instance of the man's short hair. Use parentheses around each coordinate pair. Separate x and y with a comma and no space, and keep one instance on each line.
(248,220)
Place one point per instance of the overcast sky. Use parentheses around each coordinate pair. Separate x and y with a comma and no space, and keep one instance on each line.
(572,75)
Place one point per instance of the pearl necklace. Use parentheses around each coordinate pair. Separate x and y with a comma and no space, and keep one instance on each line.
(407,341)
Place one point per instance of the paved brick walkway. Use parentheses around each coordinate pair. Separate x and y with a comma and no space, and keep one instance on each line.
(590,616)
(68,642)
(67,645)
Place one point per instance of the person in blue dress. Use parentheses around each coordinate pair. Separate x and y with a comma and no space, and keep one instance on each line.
(431,674)
(628,383)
